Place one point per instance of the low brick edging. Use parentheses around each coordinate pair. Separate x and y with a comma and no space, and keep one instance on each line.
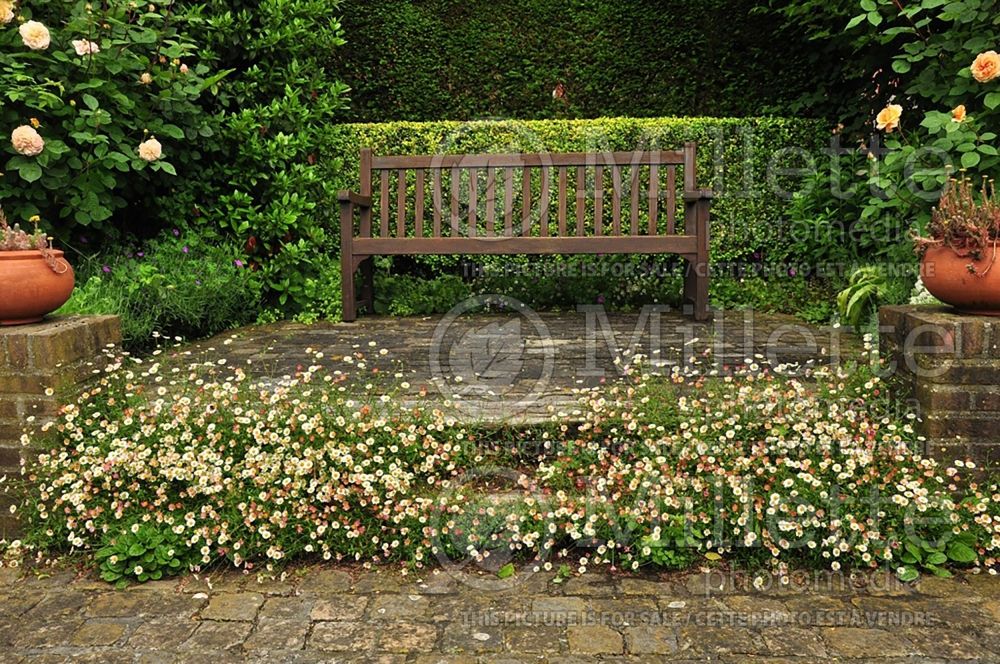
(951,364)
(42,365)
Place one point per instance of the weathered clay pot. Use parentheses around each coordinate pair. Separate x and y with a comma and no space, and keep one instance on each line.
(30,288)
(946,275)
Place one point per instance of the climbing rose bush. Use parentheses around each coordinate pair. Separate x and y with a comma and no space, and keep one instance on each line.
(331,463)
(86,87)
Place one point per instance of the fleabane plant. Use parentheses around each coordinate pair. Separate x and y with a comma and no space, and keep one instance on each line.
(98,106)
(162,466)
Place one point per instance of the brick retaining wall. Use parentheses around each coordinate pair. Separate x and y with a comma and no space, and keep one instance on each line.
(951,363)
(58,355)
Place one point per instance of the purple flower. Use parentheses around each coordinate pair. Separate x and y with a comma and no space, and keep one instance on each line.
(185,249)
(600,299)
(106,269)
(238,263)
(177,233)
(139,254)
(792,272)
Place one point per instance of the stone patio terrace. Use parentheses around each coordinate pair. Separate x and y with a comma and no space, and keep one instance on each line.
(524,366)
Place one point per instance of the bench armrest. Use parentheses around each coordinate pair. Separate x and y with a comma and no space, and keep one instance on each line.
(699,195)
(345,196)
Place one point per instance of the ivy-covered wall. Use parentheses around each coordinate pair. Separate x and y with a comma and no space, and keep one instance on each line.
(530,59)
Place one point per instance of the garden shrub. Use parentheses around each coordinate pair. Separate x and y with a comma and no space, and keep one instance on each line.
(85,85)
(445,60)
(265,182)
(176,285)
(939,114)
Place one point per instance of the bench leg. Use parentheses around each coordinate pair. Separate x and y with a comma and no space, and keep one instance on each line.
(696,287)
(347,287)
(368,284)
(347,262)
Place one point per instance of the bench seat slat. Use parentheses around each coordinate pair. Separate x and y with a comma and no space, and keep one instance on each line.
(674,244)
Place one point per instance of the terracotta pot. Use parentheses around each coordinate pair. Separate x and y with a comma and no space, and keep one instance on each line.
(30,288)
(946,275)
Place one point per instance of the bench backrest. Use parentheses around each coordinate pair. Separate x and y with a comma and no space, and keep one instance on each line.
(546,195)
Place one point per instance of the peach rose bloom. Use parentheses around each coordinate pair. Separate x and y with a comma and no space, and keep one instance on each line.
(35,35)
(986,67)
(6,11)
(85,47)
(888,117)
(150,149)
(146,78)
(958,113)
(27,141)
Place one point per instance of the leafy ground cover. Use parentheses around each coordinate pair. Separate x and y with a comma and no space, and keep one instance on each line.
(164,466)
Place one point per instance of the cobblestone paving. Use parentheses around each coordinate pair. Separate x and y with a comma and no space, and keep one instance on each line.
(323,614)
(523,366)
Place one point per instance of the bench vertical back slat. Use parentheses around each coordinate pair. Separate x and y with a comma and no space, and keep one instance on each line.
(543,215)
(598,200)
(634,195)
(562,200)
(671,200)
(455,183)
(652,201)
(654,196)
(366,190)
(491,200)
(437,196)
(616,200)
(384,205)
(473,200)
(418,205)
(526,203)
(401,203)
(508,202)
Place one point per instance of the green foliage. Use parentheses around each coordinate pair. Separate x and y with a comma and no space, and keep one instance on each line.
(810,299)
(403,295)
(869,287)
(438,59)
(265,183)
(922,555)
(93,110)
(142,552)
(175,285)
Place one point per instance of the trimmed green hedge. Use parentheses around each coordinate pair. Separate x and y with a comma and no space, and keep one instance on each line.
(734,158)
(478,59)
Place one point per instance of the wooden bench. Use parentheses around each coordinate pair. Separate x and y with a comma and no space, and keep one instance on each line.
(466,204)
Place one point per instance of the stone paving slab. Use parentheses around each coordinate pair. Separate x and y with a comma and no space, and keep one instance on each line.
(525,366)
(339,614)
